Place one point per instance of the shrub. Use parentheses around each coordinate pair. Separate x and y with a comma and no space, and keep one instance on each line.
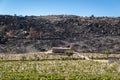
(107,52)
(23,58)
(36,58)
(30,58)
(69,52)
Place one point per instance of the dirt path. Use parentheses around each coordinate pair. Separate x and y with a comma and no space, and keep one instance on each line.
(75,53)
(81,56)
(106,61)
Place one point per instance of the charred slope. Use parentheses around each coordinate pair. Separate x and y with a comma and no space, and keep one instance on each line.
(91,34)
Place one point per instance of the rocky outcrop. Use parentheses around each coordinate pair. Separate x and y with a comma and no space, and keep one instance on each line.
(40,33)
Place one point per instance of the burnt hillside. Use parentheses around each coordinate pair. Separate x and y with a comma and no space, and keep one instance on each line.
(90,34)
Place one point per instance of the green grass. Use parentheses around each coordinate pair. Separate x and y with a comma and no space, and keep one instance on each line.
(57,70)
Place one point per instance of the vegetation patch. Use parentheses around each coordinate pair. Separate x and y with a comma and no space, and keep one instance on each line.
(57,69)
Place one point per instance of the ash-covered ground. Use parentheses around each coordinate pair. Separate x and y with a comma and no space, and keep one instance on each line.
(19,34)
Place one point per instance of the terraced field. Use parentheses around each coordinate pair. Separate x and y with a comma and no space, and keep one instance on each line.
(58,70)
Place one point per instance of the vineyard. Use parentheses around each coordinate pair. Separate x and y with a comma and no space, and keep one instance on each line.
(58,70)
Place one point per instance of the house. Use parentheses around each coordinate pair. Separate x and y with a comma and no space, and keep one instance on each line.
(63,49)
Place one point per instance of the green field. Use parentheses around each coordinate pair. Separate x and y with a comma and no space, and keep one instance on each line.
(58,70)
